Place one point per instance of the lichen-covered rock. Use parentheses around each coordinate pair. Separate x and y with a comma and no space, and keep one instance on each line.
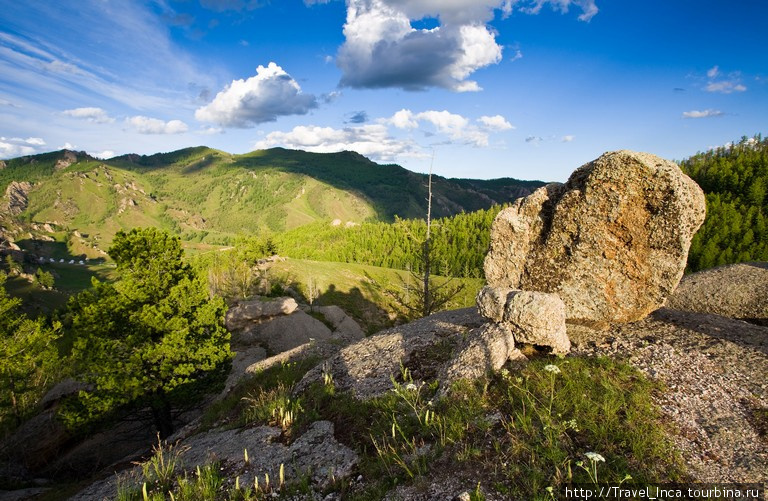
(612,242)
(345,328)
(537,318)
(366,368)
(255,311)
(69,158)
(316,455)
(485,349)
(491,302)
(17,197)
(63,389)
(37,442)
(286,332)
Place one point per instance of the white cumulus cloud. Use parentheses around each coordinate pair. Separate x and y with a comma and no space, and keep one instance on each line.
(495,123)
(147,125)
(11,147)
(456,127)
(102,154)
(389,138)
(95,115)
(372,140)
(262,98)
(383,49)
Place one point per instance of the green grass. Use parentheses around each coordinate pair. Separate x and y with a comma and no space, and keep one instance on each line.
(555,414)
(520,432)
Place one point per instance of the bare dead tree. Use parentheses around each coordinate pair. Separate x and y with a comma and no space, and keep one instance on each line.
(431,296)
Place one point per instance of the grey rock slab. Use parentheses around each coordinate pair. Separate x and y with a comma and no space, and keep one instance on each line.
(734,291)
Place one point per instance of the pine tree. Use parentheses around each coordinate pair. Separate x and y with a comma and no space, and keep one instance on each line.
(151,333)
(28,358)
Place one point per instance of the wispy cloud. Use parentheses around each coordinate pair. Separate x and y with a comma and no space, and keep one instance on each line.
(702,113)
(534,139)
(78,65)
(262,98)
(233,5)
(588,7)
(357,117)
(537,140)
(725,84)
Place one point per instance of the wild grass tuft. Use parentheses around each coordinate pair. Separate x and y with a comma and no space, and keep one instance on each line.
(530,431)
(556,415)
(237,408)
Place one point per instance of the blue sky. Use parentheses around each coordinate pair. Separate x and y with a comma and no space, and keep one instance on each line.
(495,88)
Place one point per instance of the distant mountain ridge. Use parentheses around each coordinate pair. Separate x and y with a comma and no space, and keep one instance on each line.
(211,196)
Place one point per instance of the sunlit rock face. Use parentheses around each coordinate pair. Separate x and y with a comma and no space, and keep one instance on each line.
(612,241)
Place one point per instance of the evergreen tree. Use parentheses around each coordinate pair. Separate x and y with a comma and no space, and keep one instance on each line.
(28,359)
(14,268)
(734,179)
(44,279)
(149,334)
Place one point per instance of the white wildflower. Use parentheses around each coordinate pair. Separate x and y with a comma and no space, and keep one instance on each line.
(594,457)
(552,368)
(411,387)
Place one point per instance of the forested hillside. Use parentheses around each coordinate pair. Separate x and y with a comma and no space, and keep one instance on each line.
(459,243)
(735,180)
(211,197)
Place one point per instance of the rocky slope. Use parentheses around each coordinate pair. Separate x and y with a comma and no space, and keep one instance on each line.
(713,369)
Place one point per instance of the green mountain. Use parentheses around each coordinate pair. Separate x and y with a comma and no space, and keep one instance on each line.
(210,196)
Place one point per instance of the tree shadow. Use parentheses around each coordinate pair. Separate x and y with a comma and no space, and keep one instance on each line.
(370,315)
